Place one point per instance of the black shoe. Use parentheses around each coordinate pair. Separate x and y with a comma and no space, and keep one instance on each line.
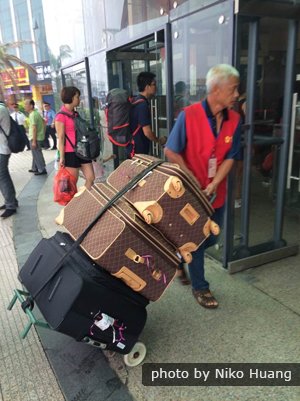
(54,148)
(8,213)
(3,207)
(40,173)
(32,171)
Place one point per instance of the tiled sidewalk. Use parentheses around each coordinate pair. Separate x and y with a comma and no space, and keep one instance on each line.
(25,372)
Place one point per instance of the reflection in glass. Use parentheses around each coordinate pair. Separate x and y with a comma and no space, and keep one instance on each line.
(131,18)
(99,86)
(199,42)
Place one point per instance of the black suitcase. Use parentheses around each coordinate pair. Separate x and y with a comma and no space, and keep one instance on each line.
(81,300)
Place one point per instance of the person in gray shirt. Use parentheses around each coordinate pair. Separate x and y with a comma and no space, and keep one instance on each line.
(6,185)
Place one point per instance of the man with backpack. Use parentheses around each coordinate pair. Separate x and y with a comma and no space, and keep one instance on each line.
(6,185)
(140,117)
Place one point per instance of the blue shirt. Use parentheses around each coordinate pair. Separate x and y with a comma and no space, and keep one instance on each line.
(177,139)
(140,115)
(50,115)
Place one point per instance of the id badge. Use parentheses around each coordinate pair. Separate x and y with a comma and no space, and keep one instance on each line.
(212,167)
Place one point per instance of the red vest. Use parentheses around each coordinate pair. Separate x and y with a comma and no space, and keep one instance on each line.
(201,145)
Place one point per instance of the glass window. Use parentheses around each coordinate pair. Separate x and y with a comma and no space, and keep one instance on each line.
(99,85)
(6,23)
(94,25)
(76,76)
(183,7)
(67,20)
(23,30)
(199,42)
(126,19)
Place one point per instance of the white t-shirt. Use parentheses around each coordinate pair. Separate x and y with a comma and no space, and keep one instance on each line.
(20,117)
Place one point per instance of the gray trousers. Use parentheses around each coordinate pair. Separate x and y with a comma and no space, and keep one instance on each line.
(38,161)
(6,185)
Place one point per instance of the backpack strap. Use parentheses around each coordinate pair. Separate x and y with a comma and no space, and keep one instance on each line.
(3,132)
(73,116)
(135,102)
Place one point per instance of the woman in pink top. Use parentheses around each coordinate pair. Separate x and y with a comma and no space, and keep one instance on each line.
(65,128)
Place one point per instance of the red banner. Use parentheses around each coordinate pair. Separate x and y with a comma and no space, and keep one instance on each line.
(20,75)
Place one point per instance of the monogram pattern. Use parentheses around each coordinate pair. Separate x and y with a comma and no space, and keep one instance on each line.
(114,233)
(172,225)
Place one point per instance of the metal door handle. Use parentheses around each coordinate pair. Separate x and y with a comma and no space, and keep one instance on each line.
(292,137)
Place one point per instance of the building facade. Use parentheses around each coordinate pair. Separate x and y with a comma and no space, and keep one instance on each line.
(23,21)
(179,41)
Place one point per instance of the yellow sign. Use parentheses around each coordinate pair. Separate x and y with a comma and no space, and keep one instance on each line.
(20,75)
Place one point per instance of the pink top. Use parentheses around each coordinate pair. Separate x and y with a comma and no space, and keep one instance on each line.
(69,128)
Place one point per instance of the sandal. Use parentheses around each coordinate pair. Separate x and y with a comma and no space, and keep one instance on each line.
(181,274)
(205,298)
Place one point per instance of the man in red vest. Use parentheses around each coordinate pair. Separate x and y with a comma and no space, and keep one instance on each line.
(205,142)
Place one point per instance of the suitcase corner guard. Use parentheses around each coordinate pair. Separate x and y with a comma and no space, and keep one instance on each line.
(151,211)
(186,251)
(174,187)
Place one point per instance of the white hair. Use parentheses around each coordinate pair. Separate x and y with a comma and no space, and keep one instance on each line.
(220,73)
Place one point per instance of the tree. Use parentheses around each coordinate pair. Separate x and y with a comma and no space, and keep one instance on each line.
(9,61)
(56,64)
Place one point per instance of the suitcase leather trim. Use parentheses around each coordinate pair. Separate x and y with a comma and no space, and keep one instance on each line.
(189,214)
(130,279)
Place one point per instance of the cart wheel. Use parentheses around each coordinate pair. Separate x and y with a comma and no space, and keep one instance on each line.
(136,356)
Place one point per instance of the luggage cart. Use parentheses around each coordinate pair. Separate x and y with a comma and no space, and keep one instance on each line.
(134,358)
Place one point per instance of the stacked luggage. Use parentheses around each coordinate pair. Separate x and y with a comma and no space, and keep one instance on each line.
(80,299)
(125,240)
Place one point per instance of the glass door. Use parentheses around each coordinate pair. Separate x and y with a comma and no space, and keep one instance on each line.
(159,104)
(200,41)
(266,59)
(124,65)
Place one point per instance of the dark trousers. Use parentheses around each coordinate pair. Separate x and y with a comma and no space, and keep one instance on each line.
(50,132)
(6,185)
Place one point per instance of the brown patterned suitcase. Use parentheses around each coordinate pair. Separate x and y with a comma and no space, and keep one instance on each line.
(121,242)
(169,199)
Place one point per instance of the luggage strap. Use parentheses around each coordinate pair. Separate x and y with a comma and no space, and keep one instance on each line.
(76,244)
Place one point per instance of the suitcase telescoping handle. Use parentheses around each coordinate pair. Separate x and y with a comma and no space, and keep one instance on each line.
(76,244)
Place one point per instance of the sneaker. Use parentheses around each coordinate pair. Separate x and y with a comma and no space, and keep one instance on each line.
(40,173)
(8,213)
(32,171)
(3,207)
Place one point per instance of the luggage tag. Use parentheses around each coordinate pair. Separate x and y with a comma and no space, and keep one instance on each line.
(105,322)
(212,167)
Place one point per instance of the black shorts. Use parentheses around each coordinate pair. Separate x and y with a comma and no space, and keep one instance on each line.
(71,160)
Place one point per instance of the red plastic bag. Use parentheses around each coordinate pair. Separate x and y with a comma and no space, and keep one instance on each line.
(64,186)
(267,164)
